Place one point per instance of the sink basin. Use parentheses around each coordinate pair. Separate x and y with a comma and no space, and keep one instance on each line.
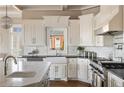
(35,59)
(21,75)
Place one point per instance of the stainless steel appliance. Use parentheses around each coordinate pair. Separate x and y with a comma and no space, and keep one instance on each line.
(98,79)
(100,72)
(89,54)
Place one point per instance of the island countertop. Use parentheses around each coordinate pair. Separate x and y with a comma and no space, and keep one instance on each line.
(40,68)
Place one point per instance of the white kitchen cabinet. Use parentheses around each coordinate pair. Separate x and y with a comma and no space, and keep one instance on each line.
(103,40)
(33,32)
(58,68)
(83,74)
(1,71)
(114,81)
(90,73)
(86,30)
(72,68)
(74,32)
(58,72)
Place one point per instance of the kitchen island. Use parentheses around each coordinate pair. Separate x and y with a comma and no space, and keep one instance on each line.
(40,79)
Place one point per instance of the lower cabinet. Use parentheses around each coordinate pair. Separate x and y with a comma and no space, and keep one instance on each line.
(114,81)
(83,74)
(90,73)
(79,69)
(72,68)
(1,71)
(58,72)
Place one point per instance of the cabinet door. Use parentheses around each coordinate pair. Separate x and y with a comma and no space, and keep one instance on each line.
(52,72)
(72,68)
(114,81)
(86,30)
(74,32)
(63,71)
(39,33)
(89,73)
(33,32)
(99,41)
(103,40)
(58,72)
(1,71)
(82,70)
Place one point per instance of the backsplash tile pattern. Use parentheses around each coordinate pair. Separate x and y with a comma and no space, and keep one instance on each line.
(101,51)
(72,50)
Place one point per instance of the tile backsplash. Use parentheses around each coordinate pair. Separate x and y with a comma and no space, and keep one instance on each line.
(72,50)
(42,50)
(101,51)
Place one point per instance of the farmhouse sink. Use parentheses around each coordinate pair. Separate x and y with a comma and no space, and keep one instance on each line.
(21,75)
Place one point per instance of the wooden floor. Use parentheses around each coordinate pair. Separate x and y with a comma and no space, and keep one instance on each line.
(70,83)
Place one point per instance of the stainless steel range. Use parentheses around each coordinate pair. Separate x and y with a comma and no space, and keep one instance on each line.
(100,69)
(98,78)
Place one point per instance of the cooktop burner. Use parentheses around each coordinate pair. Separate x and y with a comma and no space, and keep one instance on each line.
(113,65)
(99,59)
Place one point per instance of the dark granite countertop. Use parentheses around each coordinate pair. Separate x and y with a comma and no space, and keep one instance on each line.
(43,56)
(118,72)
(96,60)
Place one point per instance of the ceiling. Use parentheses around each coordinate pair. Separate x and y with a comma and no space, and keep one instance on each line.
(36,11)
(54,7)
(12,11)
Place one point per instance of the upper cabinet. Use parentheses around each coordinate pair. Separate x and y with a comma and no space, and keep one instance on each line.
(100,40)
(86,30)
(74,32)
(33,32)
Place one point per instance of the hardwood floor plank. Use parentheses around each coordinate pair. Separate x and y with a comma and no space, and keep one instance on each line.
(70,83)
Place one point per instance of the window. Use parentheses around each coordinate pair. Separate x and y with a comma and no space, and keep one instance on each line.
(55,38)
(16,39)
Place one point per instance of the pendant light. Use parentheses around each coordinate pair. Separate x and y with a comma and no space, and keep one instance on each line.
(6,21)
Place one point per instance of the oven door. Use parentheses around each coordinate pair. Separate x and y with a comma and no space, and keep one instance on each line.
(100,81)
(94,78)
(97,79)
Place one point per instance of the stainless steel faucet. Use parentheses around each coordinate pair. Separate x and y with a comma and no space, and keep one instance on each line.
(5,65)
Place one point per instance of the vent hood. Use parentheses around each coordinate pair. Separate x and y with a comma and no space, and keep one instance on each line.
(115,25)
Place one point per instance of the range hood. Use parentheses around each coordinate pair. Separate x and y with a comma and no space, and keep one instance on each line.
(112,33)
(114,26)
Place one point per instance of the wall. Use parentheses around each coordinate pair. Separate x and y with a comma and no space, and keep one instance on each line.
(5,37)
(4,41)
